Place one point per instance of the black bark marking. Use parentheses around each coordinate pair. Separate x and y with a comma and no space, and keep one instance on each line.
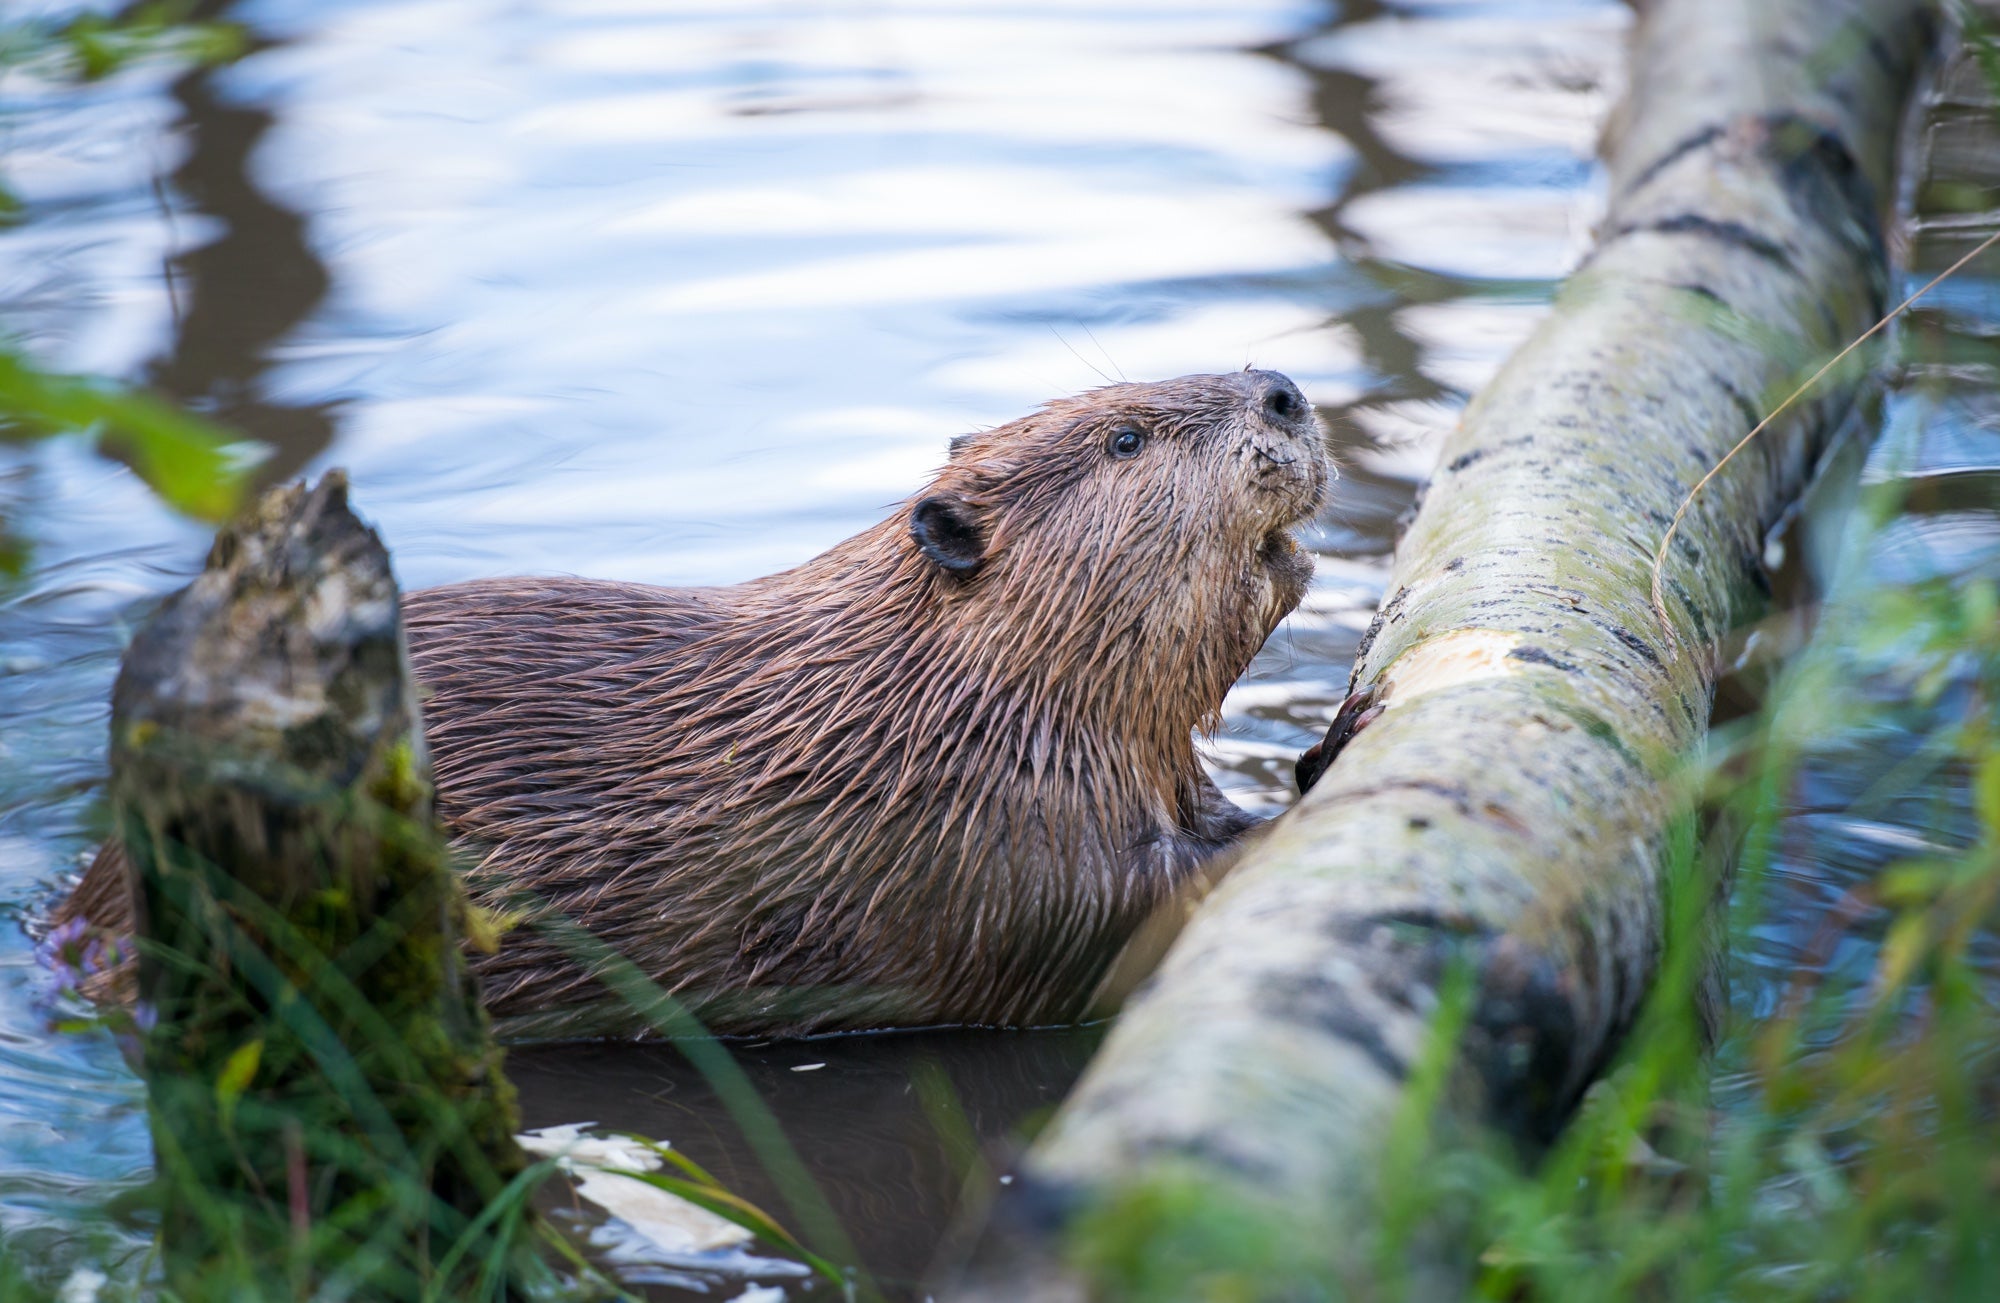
(1389,610)
(1523,1026)
(1878,50)
(1536,656)
(1708,228)
(1217,1151)
(1633,641)
(1385,614)
(1320,1002)
(1362,648)
(1727,232)
(1704,292)
(1600,729)
(1821,178)
(1466,459)
(1523,1031)
(1742,401)
(1706,136)
(1693,608)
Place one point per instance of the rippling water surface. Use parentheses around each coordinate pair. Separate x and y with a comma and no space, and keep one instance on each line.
(1890,790)
(685,293)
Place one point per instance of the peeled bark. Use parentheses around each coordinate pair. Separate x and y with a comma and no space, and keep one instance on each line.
(1508,810)
(326,1101)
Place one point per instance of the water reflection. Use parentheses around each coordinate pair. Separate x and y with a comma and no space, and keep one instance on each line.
(1889,789)
(233,299)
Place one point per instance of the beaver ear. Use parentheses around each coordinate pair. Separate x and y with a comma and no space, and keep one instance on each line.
(947,531)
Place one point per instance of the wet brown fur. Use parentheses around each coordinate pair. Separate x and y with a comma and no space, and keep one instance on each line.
(879,789)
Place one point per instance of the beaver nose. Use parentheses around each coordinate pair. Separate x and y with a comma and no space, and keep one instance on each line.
(1280,400)
(1300,444)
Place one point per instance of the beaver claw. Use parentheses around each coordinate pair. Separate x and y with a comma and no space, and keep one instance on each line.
(1355,714)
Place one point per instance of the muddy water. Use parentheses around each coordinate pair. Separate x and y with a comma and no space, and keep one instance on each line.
(685,294)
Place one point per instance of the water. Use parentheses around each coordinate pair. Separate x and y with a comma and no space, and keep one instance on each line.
(686,294)
(894,1127)
(1869,796)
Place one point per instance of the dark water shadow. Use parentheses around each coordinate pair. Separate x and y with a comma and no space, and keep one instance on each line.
(882,1121)
(237,297)
(1346,104)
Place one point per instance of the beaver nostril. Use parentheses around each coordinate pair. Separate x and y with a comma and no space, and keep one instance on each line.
(1283,402)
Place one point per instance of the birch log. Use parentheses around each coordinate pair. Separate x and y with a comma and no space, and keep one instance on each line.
(1510,805)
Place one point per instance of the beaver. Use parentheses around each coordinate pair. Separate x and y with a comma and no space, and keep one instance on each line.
(935,775)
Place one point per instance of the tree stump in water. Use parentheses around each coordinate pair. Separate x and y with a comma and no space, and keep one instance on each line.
(327,1104)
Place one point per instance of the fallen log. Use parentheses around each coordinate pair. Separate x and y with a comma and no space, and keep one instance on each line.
(326,1101)
(1506,815)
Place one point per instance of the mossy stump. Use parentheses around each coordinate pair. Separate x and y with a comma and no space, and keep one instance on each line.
(327,1105)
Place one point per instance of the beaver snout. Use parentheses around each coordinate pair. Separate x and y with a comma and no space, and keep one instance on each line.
(1281,404)
(1284,442)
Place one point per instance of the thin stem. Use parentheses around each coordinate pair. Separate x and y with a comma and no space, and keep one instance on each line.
(1660,556)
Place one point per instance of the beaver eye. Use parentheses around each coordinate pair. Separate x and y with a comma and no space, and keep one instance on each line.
(1126,441)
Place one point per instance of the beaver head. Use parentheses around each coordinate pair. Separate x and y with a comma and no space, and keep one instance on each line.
(1132,532)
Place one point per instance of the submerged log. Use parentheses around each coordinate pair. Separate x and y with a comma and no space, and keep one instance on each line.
(1507,813)
(326,1101)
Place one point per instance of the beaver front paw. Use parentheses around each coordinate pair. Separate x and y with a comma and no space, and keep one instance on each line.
(1355,714)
